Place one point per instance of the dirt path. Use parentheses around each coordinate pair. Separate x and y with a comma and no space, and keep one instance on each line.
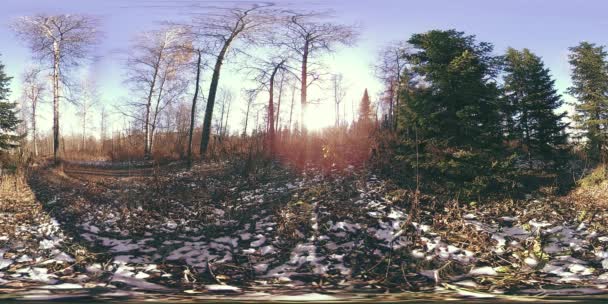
(87,170)
(76,171)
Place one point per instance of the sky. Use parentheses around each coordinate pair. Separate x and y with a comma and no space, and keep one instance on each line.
(546,27)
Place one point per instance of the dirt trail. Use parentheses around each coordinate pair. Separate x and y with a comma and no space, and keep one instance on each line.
(87,170)
(75,170)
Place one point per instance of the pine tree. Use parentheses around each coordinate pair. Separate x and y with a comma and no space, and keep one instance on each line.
(8,117)
(449,117)
(455,98)
(590,87)
(531,99)
(365,109)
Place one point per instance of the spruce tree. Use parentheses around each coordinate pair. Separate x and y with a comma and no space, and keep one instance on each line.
(450,114)
(531,100)
(8,117)
(590,88)
(365,108)
(455,98)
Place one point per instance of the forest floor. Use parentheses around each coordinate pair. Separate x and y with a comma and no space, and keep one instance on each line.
(209,233)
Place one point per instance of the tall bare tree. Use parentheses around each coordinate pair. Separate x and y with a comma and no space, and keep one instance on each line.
(222,29)
(278,114)
(391,67)
(61,40)
(225,101)
(154,67)
(103,126)
(225,129)
(266,72)
(250,97)
(33,92)
(197,87)
(89,98)
(293,103)
(339,94)
(309,36)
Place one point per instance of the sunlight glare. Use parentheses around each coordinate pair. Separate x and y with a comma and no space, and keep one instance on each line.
(319,117)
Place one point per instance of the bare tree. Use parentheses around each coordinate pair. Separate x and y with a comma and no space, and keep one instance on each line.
(89,98)
(266,73)
(250,97)
(278,115)
(63,41)
(222,29)
(197,86)
(170,91)
(391,68)
(293,103)
(225,128)
(309,37)
(222,123)
(155,66)
(103,126)
(177,122)
(339,94)
(199,49)
(33,92)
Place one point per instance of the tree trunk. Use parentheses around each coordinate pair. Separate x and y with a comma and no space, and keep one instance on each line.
(56,58)
(279,103)
(193,111)
(303,115)
(337,114)
(84,127)
(293,101)
(215,79)
(271,114)
(224,130)
(336,101)
(247,117)
(221,124)
(391,109)
(148,106)
(304,88)
(34,135)
(600,140)
(156,113)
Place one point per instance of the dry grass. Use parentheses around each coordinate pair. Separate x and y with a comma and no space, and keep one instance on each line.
(293,221)
(590,197)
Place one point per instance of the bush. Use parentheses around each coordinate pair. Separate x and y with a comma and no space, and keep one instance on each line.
(449,171)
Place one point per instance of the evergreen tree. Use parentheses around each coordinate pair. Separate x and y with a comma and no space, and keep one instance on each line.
(590,87)
(450,114)
(455,98)
(8,117)
(531,101)
(365,108)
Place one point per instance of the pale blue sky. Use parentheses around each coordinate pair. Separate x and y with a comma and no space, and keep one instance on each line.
(548,28)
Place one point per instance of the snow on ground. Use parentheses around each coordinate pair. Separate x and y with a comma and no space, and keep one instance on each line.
(229,231)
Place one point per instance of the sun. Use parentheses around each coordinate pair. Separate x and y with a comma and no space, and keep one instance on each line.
(319,116)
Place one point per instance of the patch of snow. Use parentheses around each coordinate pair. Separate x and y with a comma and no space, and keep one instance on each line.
(530,261)
(481,271)
(5,263)
(260,268)
(62,286)
(308,297)
(218,287)
(261,240)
